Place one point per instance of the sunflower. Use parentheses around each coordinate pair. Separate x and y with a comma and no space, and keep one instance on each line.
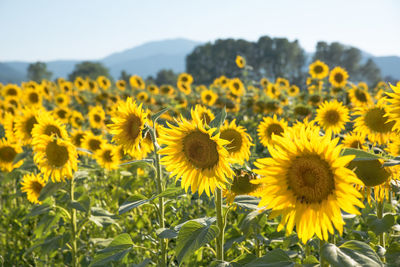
(62,113)
(9,125)
(11,90)
(192,153)
(373,123)
(240,62)
(241,185)
(153,89)
(315,100)
(32,97)
(359,97)
(185,78)
(394,147)
(273,91)
(77,137)
(293,90)
(136,82)
(282,83)
(66,87)
(128,124)
(355,140)
(92,85)
(103,82)
(166,89)
(32,185)
(62,100)
(332,116)
(269,127)
(108,157)
(76,119)
(142,96)
(24,125)
(80,83)
(264,82)
(236,87)
(96,117)
(338,77)
(203,113)
(318,70)
(307,182)
(240,142)
(8,153)
(208,97)
(121,85)
(56,158)
(393,108)
(48,125)
(92,142)
(184,87)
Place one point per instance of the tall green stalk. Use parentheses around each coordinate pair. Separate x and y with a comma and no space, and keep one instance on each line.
(221,225)
(322,260)
(73,226)
(379,214)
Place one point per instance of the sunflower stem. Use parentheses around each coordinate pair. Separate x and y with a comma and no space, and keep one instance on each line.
(322,260)
(160,189)
(74,262)
(379,214)
(220,222)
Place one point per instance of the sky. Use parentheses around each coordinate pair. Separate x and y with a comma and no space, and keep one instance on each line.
(44,30)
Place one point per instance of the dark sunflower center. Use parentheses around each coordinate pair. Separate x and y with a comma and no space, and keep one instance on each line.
(310,178)
(241,185)
(57,155)
(208,97)
(96,118)
(315,98)
(60,100)
(133,126)
(318,69)
(184,79)
(339,77)
(274,128)
(52,129)
(78,139)
(200,150)
(302,110)
(33,98)
(234,137)
(374,119)
(29,125)
(236,86)
(13,102)
(62,114)
(360,95)
(94,144)
(7,154)
(107,156)
(356,144)
(331,117)
(36,187)
(11,91)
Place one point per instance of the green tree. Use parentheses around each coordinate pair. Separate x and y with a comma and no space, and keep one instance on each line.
(166,77)
(124,76)
(38,72)
(89,69)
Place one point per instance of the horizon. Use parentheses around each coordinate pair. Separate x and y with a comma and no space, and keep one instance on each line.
(78,30)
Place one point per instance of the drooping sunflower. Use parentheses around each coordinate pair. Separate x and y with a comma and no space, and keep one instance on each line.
(103,82)
(96,117)
(315,100)
(203,113)
(32,185)
(307,182)
(355,140)
(24,124)
(236,87)
(393,107)
(8,153)
(128,123)
(359,97)
(332,116)
(193,154)
(240,141)
(121,85)
(184,87)
(338,77)
(137,82)
(208,97)
(240,62)
(293,90)
(373,123)
(318,70)
(48,125)
(241,185)
(108,157)
(55,157)
(269,127)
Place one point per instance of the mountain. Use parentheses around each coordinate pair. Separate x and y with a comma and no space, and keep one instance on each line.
(147,59)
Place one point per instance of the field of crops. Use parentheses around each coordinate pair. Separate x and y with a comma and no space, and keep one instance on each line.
(234,173)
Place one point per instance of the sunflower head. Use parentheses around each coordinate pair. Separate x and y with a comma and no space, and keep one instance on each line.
(108,157)
(241,185)
(318,70)
(332,116)
(240,62)
(208,97)
(270,126)
(32,185)
(8,154)
(201,113)
(338,77)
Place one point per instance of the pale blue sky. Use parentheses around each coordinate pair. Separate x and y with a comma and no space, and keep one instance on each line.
(91,29)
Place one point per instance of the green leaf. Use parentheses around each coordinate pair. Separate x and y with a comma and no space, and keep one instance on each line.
(49,189)
(360,154)
(134,202)
(40,209)
(310,261)
(170,192)
(379,226)
(352,253)
(218,120)
(115,251)
(393,254)
(390,163)
(273,258)
(192,236)
(143,163)
(155,117)
(101,217)
(166,233)
(247,202)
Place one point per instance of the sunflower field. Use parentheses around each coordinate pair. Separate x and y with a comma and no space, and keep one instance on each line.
(234,173)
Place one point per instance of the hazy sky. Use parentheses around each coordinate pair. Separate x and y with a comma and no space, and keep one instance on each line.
(91,29)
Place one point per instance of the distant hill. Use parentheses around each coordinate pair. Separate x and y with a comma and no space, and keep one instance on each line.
(147,59)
